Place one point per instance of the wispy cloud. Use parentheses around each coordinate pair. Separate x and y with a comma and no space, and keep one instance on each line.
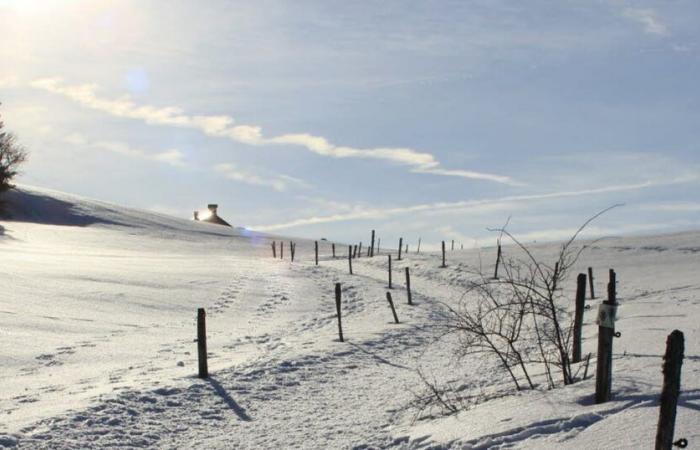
(171,156)
(225,126)
(467,205)
(672,207)
(277,182)
(648,18)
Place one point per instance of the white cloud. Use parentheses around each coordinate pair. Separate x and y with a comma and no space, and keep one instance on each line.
(277,182)
(672,207)
(173,157)
(224,126)
(648,18)
(467,205)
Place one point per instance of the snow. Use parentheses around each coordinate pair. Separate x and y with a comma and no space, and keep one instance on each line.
(98,327)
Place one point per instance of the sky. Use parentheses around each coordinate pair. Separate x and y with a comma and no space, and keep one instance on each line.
(433,120)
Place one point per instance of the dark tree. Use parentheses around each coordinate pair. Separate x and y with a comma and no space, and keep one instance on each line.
(12,155)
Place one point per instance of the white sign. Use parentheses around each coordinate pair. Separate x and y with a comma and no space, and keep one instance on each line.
(606,315)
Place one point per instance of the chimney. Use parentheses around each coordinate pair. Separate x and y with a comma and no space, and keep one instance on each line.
(212,207)
(196,215)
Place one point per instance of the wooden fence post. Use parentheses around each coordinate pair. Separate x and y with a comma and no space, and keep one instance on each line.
(337,308)
(498,261)
(443,256)
(292,249)
(354,252)
(400,248)
(359,250)
(350,258)
(408,287)
(316,251)
(453,245)
(578,316)
(606,332)
(274,249)
(281,249)
(333,247)
(406,252)
(590,281)
(371,252)
(673,359)
(202,343)
(418,250)
(393,310)
(379,243)
(390,271)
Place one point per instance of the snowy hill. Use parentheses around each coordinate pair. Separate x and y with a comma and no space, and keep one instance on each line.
(97,321)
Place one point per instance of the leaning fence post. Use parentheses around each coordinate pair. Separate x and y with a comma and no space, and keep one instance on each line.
(316,251)
(359,251)
(390,271)
(443,256)
(350,258)
(590,281)
(354,252)
(333,247)
(202,343)
(371,252)
(408,287)
(274,250)
(337,308)
(400,248)
(606,332)
(393,310)
(498,260)
(578,316)
(673,359)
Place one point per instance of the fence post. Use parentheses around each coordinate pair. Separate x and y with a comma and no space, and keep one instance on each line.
(333,247)
(371,251)
(337,308)
(590,281)
(453,245)
(418,250)
(350,258)
(400,248)
(390,271)
(408,287)
(274,249)
(393,310)
(578,316)
(292,248)
(202,343)
(354,252)
(379,243)
(406,252)
(281,249)
(498,260)
(359,250)
(606,332)
(673,359)
(443,256)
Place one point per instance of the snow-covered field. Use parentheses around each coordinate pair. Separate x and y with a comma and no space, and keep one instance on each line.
(98,325)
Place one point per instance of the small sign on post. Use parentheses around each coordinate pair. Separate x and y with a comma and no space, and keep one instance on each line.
(606,316)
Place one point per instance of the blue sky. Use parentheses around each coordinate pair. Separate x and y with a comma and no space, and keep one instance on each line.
(435,119)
